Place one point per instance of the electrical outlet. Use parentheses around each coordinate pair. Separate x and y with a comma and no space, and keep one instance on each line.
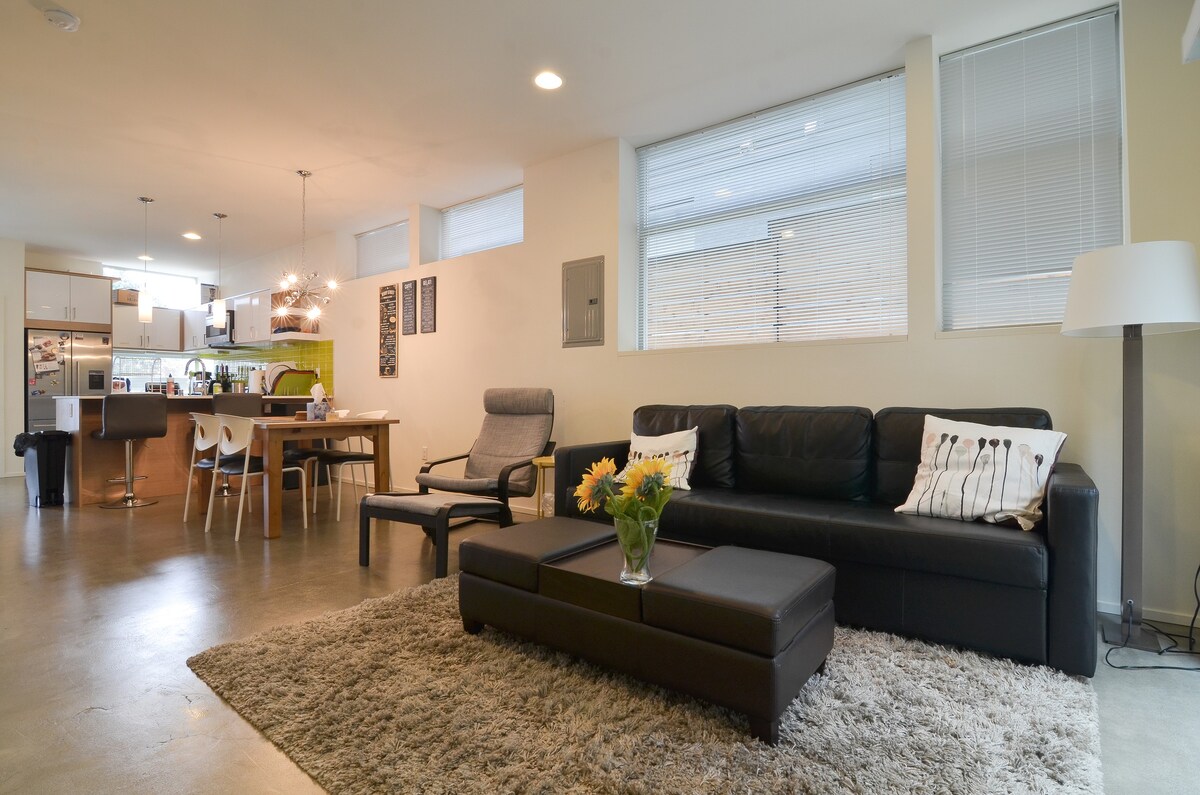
(424,453)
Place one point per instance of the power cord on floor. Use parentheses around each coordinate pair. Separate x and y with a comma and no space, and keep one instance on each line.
(1174,639)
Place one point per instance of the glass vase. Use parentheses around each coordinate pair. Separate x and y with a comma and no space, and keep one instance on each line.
(636,539)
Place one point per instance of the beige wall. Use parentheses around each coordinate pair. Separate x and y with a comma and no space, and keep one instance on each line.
(12,342)
(1162,102)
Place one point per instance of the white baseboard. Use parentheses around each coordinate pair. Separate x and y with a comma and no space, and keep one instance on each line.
(1113,609)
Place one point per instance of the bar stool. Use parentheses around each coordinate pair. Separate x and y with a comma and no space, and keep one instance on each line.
(125,418)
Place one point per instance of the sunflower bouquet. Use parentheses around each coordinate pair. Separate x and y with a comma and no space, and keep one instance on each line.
(635,504)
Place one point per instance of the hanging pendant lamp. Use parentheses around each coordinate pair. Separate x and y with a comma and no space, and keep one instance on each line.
(218,304)
(302,293)
(145,302)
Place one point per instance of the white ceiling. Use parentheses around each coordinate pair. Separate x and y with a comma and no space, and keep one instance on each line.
(212,105)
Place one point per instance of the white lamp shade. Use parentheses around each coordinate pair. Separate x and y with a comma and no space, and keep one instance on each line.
(145,307)
(218,313)
(1155,285)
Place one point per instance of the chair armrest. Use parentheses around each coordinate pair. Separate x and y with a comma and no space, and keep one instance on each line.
(569,465)
(1072,507)
(431,464)
(502,478)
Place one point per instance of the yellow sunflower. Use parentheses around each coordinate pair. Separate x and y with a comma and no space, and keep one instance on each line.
(647,478)
(597,484)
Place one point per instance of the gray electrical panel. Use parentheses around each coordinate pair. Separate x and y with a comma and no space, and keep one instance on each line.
(583,302)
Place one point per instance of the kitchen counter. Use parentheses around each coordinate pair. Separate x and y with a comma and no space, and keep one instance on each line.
(165,461)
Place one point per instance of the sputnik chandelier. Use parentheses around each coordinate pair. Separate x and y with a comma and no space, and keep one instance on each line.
(304,294)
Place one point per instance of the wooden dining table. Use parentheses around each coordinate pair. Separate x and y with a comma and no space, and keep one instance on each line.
(272,432)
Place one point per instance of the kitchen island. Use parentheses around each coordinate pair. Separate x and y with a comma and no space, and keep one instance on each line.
(165,462)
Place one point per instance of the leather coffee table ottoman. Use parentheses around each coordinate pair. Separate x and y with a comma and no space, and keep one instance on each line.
(741,628)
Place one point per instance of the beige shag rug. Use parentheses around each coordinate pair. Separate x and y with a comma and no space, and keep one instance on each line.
(393,696)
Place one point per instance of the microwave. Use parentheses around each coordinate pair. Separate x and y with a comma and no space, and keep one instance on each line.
(219,337)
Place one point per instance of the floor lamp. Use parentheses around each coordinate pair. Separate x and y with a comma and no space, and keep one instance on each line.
(1128,291)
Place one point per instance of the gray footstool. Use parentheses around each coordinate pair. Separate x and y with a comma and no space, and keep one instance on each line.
(432,512)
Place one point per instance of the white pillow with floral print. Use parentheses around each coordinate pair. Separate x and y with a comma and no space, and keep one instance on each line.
(678,449)
(970,471)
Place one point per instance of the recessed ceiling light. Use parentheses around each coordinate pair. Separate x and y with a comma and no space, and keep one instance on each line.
(145,258)
(192,235)
(58,17)
(547,80)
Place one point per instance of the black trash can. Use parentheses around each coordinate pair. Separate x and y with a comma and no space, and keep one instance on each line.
(45,454)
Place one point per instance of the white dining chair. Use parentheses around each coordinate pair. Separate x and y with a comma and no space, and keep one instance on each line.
(208,435)
(235,437)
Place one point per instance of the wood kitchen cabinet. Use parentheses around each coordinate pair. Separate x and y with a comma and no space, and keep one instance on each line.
(65,298)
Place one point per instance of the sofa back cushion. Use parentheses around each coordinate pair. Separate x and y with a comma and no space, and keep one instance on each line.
(714,455)
(803,451)
(898,441)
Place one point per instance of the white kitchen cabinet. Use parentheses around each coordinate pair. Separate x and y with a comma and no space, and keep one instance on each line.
(252,317)
(127,330)
(67,297)
(160,334)
(194,323)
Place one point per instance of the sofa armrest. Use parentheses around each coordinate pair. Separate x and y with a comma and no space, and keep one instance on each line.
(569,465)
(1072,507)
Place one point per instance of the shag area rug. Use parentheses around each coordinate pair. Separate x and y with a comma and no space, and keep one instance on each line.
(393,696)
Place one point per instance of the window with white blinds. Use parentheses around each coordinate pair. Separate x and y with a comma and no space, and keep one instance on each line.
(783,226)
(382,250)
(490,222)
(1031,169)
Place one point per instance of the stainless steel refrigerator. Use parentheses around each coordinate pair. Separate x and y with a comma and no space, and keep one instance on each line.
(61,363)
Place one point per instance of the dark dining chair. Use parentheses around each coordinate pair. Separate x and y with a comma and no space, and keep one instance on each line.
(237,404)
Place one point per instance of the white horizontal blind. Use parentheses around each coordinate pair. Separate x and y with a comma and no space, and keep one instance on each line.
(490,222)
(783,226)
(382,250)
(1031,170)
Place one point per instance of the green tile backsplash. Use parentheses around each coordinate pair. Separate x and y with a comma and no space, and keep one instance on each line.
(142,366)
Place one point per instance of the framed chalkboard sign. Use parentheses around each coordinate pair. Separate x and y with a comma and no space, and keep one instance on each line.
(408,307)
(388,320)
(428,304)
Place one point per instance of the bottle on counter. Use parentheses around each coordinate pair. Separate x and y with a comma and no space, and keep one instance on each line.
(170,385)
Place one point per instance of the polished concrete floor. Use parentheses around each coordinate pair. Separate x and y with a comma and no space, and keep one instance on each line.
(100,610)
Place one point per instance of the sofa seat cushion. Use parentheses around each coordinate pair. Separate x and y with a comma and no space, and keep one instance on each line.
(859,532)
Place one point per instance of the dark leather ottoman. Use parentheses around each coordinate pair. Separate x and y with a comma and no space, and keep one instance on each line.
(738,627)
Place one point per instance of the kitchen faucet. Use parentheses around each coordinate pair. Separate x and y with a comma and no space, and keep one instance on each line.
(192,381)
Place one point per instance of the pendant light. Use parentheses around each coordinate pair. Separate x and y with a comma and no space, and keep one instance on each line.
(145,302)
(302,293)
(218,304)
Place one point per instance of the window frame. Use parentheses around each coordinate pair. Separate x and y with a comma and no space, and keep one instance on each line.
(838,193)
(484,218)
(958,319)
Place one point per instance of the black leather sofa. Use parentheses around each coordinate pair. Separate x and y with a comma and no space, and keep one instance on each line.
(823,482)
